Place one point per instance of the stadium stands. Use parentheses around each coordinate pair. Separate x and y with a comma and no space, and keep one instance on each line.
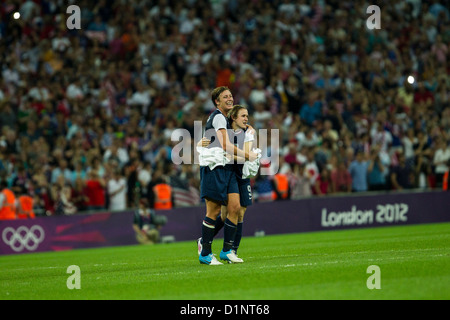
(78,104)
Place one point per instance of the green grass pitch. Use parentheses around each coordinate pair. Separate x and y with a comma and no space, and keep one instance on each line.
(413,261)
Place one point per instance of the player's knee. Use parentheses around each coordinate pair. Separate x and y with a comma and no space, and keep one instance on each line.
(234,209)
(212,214)
(212,209)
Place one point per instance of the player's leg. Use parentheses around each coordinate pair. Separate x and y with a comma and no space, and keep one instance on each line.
(245,193)
(221,220)
(238,237)
(229,229)
(217,227)
(213,189)
(212,211)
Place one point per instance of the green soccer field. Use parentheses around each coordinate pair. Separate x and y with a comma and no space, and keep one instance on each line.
(413,262)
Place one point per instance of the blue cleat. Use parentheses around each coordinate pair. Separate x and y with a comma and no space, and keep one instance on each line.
(230,256)
(209,259)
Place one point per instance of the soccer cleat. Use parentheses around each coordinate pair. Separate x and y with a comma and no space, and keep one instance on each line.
(209,259)
(199,246)
(237,256)
(230,256)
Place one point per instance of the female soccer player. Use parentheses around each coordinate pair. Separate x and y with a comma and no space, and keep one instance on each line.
(218,183)
(242,136)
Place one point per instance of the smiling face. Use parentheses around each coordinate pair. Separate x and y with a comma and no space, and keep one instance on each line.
(224,101)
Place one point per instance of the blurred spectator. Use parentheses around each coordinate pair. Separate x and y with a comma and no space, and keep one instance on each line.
(423,95)
(95,190)
(299,181)
(145,177)
(311,111)
(117,191)
(38,206)
(291,155)
(8,117)
(311,166)
(258,94)
(281,186)
(422,145)
(408,141)
(64,204)
(323,184)
(377,172)
(329,132)
(7,203)
(20,182)
(358,171)
(61,170)
(78,172)
(49,196)
(401,175)
(442,96)
(294,94)
(261,115)
(79,196)
(311,139)
(440,160)
(341,178)
(97,167)
(117,153)
(133,189)
(424,176)
(381,138)
(146,224)
(163,194)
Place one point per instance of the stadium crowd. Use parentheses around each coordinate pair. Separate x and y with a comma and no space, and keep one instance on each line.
(86,115)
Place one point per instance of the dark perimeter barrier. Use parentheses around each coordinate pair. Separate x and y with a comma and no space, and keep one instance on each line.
(324,213)
(58,233)
(290,216)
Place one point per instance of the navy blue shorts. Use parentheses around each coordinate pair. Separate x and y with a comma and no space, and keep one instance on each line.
(216,184)
(245,192)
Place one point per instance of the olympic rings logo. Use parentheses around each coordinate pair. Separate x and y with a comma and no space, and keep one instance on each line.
(23,237)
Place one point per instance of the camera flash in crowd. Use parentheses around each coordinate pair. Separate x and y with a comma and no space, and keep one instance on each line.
(16,15)
(411,79)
